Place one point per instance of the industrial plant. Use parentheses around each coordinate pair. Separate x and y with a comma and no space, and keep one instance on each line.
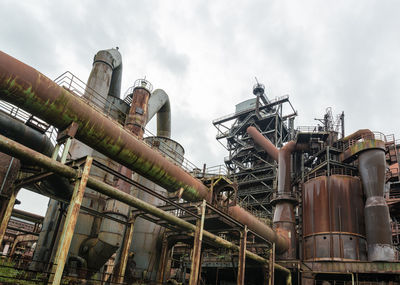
(288,205)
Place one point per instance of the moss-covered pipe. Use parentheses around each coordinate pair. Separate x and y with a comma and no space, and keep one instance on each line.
(27,88)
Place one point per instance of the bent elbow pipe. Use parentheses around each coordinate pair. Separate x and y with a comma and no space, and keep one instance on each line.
(264,143)
(105,77)
(282,156)
(159,104)
(359,133)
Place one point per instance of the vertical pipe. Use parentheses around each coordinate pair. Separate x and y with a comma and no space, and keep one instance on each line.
(198,238)
(135,122)
(242,257)
(271,265)
(6,176)
(69,225)
(7,214)
(163,261)
(125,250)
(284,220)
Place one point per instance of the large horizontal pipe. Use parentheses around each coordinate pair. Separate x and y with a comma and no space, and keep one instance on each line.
(30,90)
(28,155)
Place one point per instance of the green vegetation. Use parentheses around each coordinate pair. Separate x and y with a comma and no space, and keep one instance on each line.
(11,274)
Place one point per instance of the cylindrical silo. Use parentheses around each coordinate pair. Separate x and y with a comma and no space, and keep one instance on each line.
(333,219)
(146,240)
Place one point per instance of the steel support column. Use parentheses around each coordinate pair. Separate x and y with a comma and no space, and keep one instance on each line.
(69,224)
(163,260)
(7,214)
(125,250)
(271,265)
(242,256)
(198,238)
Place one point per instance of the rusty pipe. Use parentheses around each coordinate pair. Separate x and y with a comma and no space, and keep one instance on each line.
(284,219)
(27,88)
(257,226)
(264,143)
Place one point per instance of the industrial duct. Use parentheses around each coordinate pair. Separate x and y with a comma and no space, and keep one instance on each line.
(106,74)
(284,220)
(371,164)
(159,104)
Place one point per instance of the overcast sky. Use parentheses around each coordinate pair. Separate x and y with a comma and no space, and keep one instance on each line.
(205,54)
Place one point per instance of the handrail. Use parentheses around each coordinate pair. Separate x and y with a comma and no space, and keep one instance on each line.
(23,116)
(165,149)
(276,99)
(77,87)
(363,137)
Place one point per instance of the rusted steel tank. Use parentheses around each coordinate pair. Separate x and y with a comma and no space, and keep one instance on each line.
(333,219)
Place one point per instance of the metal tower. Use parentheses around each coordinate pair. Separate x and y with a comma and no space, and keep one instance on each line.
(250,166)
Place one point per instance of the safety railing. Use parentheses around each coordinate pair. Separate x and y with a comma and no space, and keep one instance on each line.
(276,99)
(79,88)
(171,153)
(332,171)
(310,129)
(139,83)
(363,137)
(217,170)
(14,111)
(25,117)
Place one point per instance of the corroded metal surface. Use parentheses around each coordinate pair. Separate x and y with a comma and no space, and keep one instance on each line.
(7,214)
(242,257)
(69,225)
(333,223)
(360,147)
(284,220)
(197,244)
(259,227)
(137,116)
(125,250)
(9,168)
(25,87)
(353,266)
(377,221)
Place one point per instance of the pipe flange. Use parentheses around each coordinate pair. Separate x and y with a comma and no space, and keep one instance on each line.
(284,197)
